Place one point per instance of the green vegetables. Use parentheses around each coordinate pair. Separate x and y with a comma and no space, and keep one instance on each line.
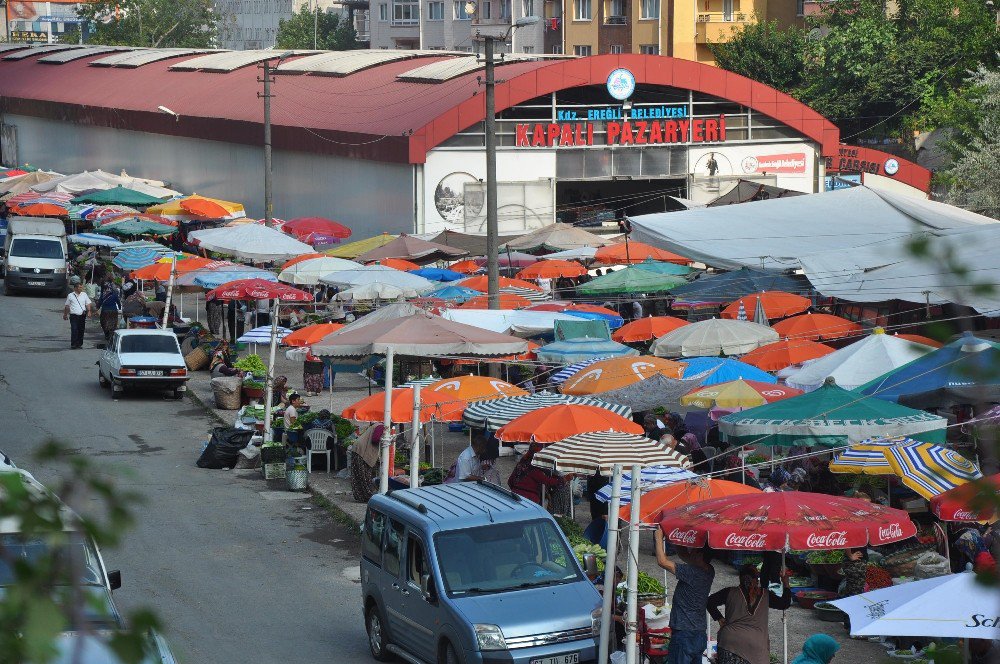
(647,585)
(304,420)
(825,557)
(253,364)
(582,547)
(570,527)
(251,384)
(432,477)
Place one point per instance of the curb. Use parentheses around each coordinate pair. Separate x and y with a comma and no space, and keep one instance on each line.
(338,514)
(212,415)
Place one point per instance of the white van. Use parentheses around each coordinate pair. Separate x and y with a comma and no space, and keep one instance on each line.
(35,255)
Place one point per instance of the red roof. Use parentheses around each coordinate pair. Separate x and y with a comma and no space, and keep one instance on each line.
(369,114)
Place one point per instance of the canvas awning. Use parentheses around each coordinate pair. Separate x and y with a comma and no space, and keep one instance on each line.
(556,237)
(412,249)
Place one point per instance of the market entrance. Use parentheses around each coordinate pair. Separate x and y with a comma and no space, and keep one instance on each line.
(593,202)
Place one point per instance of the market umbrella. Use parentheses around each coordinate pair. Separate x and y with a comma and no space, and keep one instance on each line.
(251,241)
(816,327)
(506,301)
(950,606)
(222,273)
(262,335)
(552,269)
(966,370)
(652,392)
(376,274)
(24,198)
(354,249)
(377,290)
(676,494)
(660,267)
(555,237)
(199,207)
(40,209)
(17,185)
(974,501)
(715,336)
(644,329)
(509,259)
(412,249)
(569,351)
(304,226)
(433,405)
(650,477)
(588,453)
(495,413)
(396,264)
(527,293)
(304,257)
(257,289)
(776,304)
(636,252)
(466,267)
(730,286)
(310,334)
(160,270)
(829,416)
(136,227)
(309,270)
(737,394)
(724,369)
(475,388)
(93,240)
(437,274)
(567,371)
(554,423)
(453,293)
(162,250)
(615,373)
(782,354)
(785,521)
(98,214)
(632,279)
(583,310)
(118,195)
(480,283)
(920,339)
(133,259)
(116,217)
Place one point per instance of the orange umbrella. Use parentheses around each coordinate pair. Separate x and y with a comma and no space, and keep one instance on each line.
(526,355)
(396,264)
(552,270)
(161,271)
(780,354)
(299,259)
(465,267)
(678,494)
(777,304)
(507,301)
(816,327)
(432,406)
(41,210)
(209,208)
(644,329)
(920,339)
(479,283)
(619,372)
(310,334)
(615,254)
(474,388)
(554,423)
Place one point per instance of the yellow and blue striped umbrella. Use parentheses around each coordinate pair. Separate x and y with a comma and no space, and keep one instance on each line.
(930,469)
(868,457)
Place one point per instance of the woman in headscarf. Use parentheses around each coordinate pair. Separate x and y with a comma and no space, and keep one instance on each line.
(527,480)
(220,365)
(279,391)
(690,446)
(312,375)
(110,305)
(818,649)
(743,637)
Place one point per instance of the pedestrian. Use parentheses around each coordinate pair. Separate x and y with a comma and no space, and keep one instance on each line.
(818,649)
(312,374)
(688,621)
(651,427)
(743,637)
(215,310)
(636,310)
(76,309)
(110,305)
(161,291)
(595,531)
(527,480)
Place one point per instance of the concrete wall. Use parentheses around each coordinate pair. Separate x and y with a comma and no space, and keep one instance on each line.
(370,197)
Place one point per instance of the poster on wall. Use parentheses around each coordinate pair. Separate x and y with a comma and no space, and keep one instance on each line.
(33,21)
(714,170)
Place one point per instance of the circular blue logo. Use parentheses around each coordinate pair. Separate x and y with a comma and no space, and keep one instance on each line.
(621,84)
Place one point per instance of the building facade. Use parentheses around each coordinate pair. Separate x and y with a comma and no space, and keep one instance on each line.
(253,24)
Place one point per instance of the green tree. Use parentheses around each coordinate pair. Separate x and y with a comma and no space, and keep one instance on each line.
(331,31)
(764,52)
(974,177)
(151,23)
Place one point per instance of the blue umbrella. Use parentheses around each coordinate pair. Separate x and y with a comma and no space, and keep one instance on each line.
(725,370)
(94,240)
(663,268)
(438,274)
(133,259)
(731,286)
(614,322)
(454,293)
(569,351)
(215,278)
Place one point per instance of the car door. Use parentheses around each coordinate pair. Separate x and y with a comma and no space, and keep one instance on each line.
(422,614)
(106,357)
(392,582)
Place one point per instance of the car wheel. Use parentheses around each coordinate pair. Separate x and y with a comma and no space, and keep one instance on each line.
(178,395)
(101,379)
(117,390)
(7,290)
(376,634)
(450,656)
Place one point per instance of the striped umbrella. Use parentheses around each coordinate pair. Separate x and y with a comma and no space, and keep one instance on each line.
(133,259)
(931,469)
(528,293)
(422,382)
(32,197)
(98,213)
(588,453)
(495,413)
(564,373)
(93,240)
(650,478)
(143,244)
(262,335)
(869,456)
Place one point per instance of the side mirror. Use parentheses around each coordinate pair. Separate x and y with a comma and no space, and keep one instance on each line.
(115,579)
(590,565)
(427,587)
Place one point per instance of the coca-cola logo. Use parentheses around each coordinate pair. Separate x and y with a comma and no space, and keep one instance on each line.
(751,541)
(893,530)
(679,536)
(965,515)
(834,539)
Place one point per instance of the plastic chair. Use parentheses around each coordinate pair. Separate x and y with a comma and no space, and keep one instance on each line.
(319,443)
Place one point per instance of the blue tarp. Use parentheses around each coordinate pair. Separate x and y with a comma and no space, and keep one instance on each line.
(438,274)
(726,369)
(569,351)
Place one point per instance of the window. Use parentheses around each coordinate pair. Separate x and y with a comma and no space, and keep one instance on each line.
(149,343)
(504,8)
(616,10)
(529,7)
(527,49)
(650,8)
(405,12)
(486,9)
(371,538)
(581,50)
(800,7)
(460,13)
(435,11)
(393,551)
(416,561)
(30,248)
(616,49)
(581,10)
(557,49)
(649,49)
(383,12)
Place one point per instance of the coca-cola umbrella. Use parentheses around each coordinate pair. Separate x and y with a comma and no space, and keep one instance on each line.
(975,501)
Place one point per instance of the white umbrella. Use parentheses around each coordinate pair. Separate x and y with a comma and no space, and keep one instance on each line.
(310,271)
(378,274)
(581,254)
(251,241)
(715,336)
(954,605)
(650,478)
(376,291)
(262,335)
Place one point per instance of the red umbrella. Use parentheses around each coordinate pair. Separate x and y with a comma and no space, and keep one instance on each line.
(785,520)
(968,502)
(258,289)
(303,226)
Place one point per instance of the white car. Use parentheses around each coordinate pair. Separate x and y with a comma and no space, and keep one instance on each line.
(148,359)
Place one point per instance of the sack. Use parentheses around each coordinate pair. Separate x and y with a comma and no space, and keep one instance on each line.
(227,391)
(224,447)
(197,359)
(930,565)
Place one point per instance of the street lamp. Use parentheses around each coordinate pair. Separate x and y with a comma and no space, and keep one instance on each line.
(266,65)
(164,109)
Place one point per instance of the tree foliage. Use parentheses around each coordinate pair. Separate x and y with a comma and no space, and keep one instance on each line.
(764,52)
(975,175)
(332,31)
(151,23)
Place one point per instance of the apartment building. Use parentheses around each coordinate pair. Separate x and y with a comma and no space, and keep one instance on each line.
(253,24)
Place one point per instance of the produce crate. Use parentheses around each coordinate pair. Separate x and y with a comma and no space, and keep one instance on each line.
(274,471)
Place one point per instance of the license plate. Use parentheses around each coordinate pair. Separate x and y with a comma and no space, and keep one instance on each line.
(36,283)
(149,372)
(571,658)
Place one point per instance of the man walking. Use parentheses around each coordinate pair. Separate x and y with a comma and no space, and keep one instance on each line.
(78,306)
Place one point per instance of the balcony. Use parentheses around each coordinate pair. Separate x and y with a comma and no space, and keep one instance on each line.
(615,20)
(715,27)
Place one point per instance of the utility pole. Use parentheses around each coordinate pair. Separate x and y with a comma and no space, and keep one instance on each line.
(490,124)
(267,80)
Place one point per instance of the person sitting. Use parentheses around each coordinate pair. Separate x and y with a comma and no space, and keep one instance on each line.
(324,420)
(818,649)
(279,391)
(527,480)
(292,410)
(475,462)
(220,365)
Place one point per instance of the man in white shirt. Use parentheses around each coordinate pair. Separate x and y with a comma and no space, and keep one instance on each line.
(76,309)
(471,466)
(292,410)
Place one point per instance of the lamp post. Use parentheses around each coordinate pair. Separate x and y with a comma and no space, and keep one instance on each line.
(266,96)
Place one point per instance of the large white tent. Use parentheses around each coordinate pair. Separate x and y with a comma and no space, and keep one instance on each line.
(519,322)
(251,241)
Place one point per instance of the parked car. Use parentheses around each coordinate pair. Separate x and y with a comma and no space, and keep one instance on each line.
(35,255)
(145,359)
(471,572)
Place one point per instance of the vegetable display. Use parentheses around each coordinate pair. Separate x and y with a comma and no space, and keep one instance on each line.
(253,364)
(647,585)
(825,557)
(583,547)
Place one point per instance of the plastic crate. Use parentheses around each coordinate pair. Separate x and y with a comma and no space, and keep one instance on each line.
(274,471)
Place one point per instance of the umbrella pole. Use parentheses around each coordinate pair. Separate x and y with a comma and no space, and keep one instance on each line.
(784,614)
(415,440)
(433,457)
(170,292)
(383,471)
(269,391)
(609,564)
(632,598)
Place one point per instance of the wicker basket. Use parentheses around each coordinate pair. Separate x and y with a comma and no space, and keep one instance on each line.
(226,390)
(655,600)
(197,359)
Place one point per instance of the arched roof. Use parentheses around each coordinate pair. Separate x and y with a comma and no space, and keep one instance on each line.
(382,112)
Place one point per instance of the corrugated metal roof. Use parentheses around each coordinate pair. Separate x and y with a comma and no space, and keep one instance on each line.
(443,70)
(61,57)
(39,50)
(227,61)
(348,62)
(4,48)
(139,57)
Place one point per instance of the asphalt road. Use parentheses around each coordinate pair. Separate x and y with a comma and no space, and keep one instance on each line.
(237,573)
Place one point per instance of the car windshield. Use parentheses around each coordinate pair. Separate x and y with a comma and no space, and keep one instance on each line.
(504,556)
(149,343)
(77,550)
(30,248)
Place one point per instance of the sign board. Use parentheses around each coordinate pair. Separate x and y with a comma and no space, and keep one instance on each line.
(627,132)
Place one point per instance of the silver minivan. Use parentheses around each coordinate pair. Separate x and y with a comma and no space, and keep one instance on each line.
(470,572)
